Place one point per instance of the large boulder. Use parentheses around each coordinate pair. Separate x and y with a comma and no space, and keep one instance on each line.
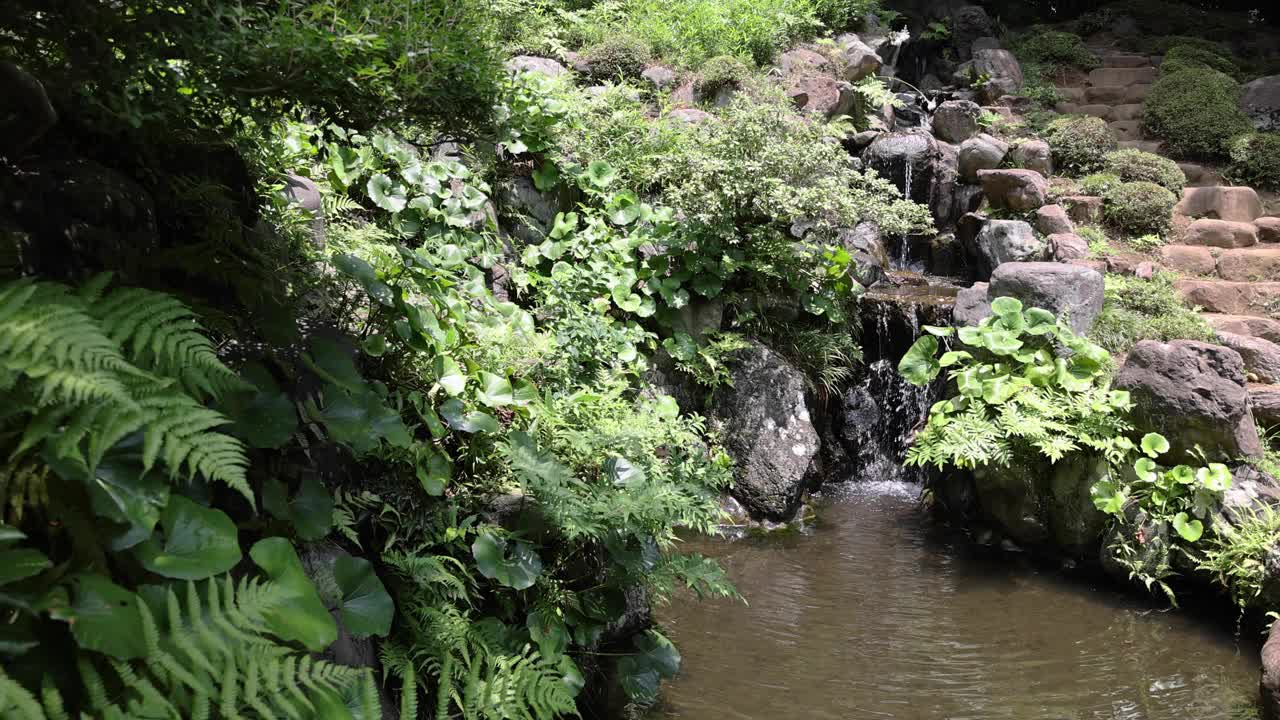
(980,152)
(1195,395)
(768,431)
(1003,73)
(922,167)
(1270,681)
(1005,241)
(527,211)
(815,92)
(1261,102)
(956,120)
(1065,247)
(1015,190)
(1052,219)
(1218,202)
(1032,155)
(533,64)
(1261,357)
(972,304)
(860,59)
(969,23)
(25,111)
(1068,291)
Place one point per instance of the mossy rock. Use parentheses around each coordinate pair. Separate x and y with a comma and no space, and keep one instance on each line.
(1196,111)
(1132,165)
(1080,143)
(1187,57)
(1139,208)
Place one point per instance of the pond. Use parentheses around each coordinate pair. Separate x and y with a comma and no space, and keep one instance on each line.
(880,613)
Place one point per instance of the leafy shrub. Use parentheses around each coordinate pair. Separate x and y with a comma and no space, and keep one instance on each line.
(1139,207)
(1196,111)
(837,15)
(618,56)
(1098,183)
(1053,50)
(1161,44)
(1137,309)
(1080,143)
(719,73)
(615,128)
(1189,57)
(1255,160)
(1236,554)
(1131,165)
(1021,398)
(690,32)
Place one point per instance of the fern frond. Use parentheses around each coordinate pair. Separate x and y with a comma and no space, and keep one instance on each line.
(16,701)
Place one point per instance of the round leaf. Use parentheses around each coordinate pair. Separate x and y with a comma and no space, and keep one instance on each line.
(919,366)
(367,608)
(105,617)
(197,542)
(312,509)
(1154,445)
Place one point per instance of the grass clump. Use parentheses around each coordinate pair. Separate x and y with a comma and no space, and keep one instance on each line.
(618,56)
(1236,553)
(725,72)
(1080,143)
(1132,165)
(1196,111)
(1138,208)
(1255,160)
(1137,309)
(690,32)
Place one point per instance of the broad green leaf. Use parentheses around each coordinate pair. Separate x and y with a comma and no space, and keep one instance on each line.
(600,174)
(939,331)
(970,336)
(517,569)
(386,194)
(1145,468)
(620,472)
(623,208)
(303,618)
(1109,498)
(572,676)
(969,383)
(952,357)
(197,542)
(121,490)
(659,653)
(1216,477)
(449,374)
(20,564)
(1189,529)
(459,418)
(639,681)
(367,608)
(1154,445)
(9,534)
(275,498)
(681,346)
(333,361)
(435,474)
(312,509)
(1000,342)
(548,632)
(375,345)
(546,176)
(998,390)
(495,391)
(1006,306)
(919,366)
(105,617)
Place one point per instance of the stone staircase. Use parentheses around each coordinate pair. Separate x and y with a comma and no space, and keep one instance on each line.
(1226,250)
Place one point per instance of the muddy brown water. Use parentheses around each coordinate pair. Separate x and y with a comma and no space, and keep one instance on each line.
(879,613)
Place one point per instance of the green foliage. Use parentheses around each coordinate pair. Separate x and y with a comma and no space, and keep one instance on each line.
(1235,554)
(1137,309)
(1187,57)
(690,32)
(1052,51)
(1196,112)
(837,15)
(1255,161)
(1080,143)
(1132,165)
(1019,397)
(1139,208)
(1099,183)
(723,72)
(618,56)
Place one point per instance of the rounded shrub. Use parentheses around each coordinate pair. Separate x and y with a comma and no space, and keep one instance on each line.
(1132,165)
(1053,50)
(1162,44)
(1139,208)
(618,56)
(1196,112)
(719,73)
(1186,57)
(1098,183)
(1255,160)
(1080,143)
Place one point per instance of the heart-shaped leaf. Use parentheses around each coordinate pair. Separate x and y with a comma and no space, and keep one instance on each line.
(303,617)
(919,365)
(386,193)
(459,418)
(1154,445)
(1189,529)
(516,567)
(367,608)
(495,391)
(312,509)
(198,542)
(105,617)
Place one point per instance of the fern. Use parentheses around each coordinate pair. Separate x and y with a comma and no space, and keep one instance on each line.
(81,372)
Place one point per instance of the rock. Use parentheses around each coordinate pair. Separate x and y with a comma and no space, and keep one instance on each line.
(930,166)
(1268,229)
(690,116)
(529,212)
(1053,219)
(1270,681)
(1003,241)
(1075,523)
(801,59)
(860,59)
(981,152)
(820,93)
(659,76)
(1068,291)
(1261,102)
(25,111)
(1229,297)
(1220,233)
(1003,71)
(1188,259)
(1009,498)
(1265,402)
(303,192)
(1084,209)
(1194,394)
(1250,264)
(956,120)
(1032,155)
(1261,357)
(768,432)
(1016,190)
(531,64)
(1068,246)
(865,244)
(984,43)
(1263,327)
(969,24)
(1235,204)
(972,304)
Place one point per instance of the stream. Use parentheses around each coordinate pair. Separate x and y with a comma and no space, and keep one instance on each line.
(878,612)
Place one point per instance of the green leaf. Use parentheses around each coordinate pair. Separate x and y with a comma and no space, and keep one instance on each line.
(518,570)
(1216,477)
(998,390)
(462,420)
(620,472)
(312,509)
(123,491)
(367,608)
(1145,468)
(495,390)
(386,193)
(919,366)
(1002,306)
(600,174)
(1154,445)
(546,176)
(1189,529)
(659,653)
(20,564)
(332,361)
(681,346)
(623,208)
(303,618)
(9,534)
(449,374)
(952,357)
(1108,497)
(549,632)
(1000,342)
(105,617)
(198,542)
(375,345)
(435,474)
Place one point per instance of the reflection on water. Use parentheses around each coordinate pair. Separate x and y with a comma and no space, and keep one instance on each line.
(877,614)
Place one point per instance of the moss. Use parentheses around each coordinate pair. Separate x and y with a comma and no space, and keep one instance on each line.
(720,73)
(1186,57)
(1196,111)
(618,56)
(1138,208)
(1052,50)
(1098,183)
(1255,161)
(1080,143)
(1137,309)
(1132,165)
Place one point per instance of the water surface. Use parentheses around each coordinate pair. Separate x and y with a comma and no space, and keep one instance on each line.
(877,613)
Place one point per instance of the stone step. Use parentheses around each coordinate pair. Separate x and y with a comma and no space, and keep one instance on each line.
(1107,94)
(1126,129)
(1124,60)
(1268,229)
(1122,77)
(1130,111)
(1251,325)
(1220,233)
(1231,298)
(1222,202)
(1151,146)
(1250,264)
(1138,93)
(1265,402)
(1189,259)
(1072,94)
(1261,356)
